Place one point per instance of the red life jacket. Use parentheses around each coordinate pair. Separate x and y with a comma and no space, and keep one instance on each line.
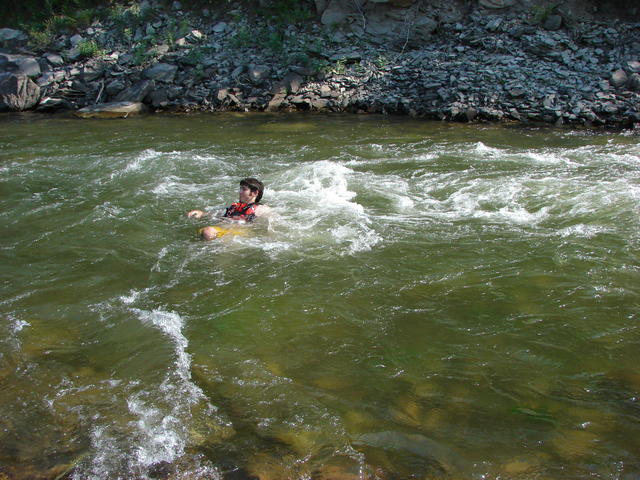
(241,211)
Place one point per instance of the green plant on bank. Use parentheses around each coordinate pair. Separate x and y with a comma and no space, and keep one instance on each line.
(127,35)
(60,24)
(286,12)
(175,30)
(89,49)
(198,71)
(359,68)
(42,35)
(540,13)
(307,60)
(318,65)
(195,56)
(86,16)
(242,37)
(127,18)
(381,61)
(274,41)
(263,37)
(338,68)
(140,54)
(40,39)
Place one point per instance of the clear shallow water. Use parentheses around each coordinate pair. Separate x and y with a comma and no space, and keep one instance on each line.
(427,300)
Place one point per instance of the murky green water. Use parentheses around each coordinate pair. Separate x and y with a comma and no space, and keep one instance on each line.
(427,300)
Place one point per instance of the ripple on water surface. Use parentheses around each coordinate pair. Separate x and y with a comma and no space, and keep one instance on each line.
(426,300)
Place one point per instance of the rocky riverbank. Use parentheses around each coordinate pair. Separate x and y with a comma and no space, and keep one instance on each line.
(487,62)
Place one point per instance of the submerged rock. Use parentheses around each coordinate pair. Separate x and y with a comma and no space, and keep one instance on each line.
(112,110)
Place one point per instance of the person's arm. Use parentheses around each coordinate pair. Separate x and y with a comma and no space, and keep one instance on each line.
(196,214)
(262,210)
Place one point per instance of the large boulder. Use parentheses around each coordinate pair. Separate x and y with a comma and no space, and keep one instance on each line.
(135,93)
(12,39)
(161,72)
(20,65)
(112,110)
(337,12)
(258,73)
(289,84)
(634,82)
(496,4)
(618,78)
(17,93)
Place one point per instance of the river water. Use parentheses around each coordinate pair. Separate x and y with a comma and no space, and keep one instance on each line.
(426,300)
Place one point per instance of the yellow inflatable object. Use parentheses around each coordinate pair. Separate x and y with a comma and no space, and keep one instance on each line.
(221,231)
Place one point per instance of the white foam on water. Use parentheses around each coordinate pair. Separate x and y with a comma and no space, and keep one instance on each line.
(493,199)
(107,457)
(18,324)
(131,298)
(482,149)
(315,202)
(174,186)
(160,435)
(138,162)
(171,324)
(163,415)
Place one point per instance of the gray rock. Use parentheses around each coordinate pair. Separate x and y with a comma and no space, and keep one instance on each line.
(239,70)
(321,6)
(549,102)
(76,39)
(53,104)
(424,26)
(541,45)
(92,73)
(337,13)
(618,78)
(115,87)
(54,59)
(72,54)
(553,22)
(634,82)
(516,91)
(159,50)
(318,103)
(159,98)
(494,24)
(17,93)
(48,78)
(20,65)
(276,102)
(195,36)
(11,39)
(325,91)
(111,110)
(633,66)
(161,72)
(258,73)
(221,94)
(496,4)
(135,93)
(219,27)
(289,84)
(347,56)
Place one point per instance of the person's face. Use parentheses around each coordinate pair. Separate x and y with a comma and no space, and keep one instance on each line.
(245,195)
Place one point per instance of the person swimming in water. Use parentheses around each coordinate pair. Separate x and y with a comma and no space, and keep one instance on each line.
(245,209)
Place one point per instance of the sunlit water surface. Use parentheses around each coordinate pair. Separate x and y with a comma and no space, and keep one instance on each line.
(426,301)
